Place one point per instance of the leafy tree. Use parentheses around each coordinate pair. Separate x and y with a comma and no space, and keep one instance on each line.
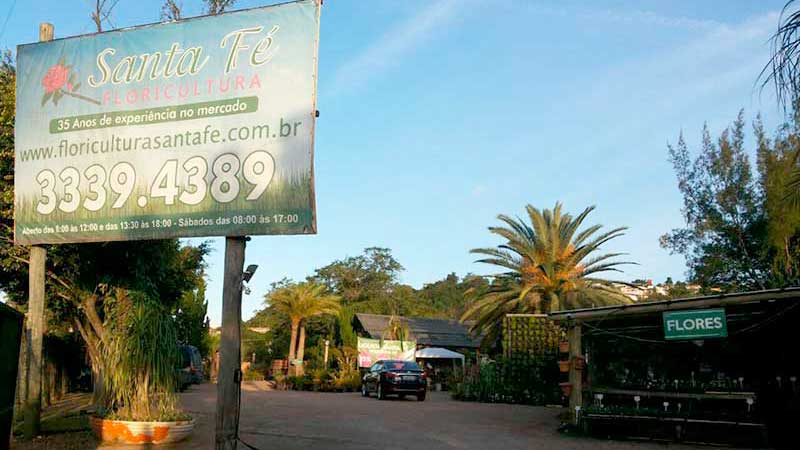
(190,316)
(446,297)
(741,233)
(300,302)
(550,264)
(778,170)
(724,220)
(368,280)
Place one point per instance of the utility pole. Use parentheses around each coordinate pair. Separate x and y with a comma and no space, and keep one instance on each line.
(230,374)
(34,325)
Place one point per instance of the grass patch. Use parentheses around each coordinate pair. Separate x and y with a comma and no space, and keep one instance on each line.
(61,424)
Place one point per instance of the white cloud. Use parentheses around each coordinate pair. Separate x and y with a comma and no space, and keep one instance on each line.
(628,17)
(396,43)
(479,189)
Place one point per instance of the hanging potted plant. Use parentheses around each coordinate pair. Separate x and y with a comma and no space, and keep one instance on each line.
(563,366)
(563,347)
(140,406)
(566,388)
(580,363)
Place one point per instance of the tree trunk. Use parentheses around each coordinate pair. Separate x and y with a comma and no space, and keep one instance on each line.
(301,349)
(293,346)
(93,347)
(98,384)
(22,377)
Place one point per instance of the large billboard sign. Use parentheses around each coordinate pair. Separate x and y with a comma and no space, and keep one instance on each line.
(193,128)
(373,350)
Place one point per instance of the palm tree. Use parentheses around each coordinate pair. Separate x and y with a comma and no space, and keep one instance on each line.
(549,265)
(396,329)
(783,68)
(300,302)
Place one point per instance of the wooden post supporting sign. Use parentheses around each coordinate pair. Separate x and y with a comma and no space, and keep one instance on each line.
(230,374)
(34,325)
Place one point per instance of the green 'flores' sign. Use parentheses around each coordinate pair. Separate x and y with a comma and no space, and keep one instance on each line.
(695,324)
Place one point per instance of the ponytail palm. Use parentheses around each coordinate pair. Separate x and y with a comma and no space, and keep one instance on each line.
(550,264)
(299,302)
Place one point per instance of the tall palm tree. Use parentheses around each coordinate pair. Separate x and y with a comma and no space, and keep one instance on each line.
(783,68)
(550,264)
(300,302)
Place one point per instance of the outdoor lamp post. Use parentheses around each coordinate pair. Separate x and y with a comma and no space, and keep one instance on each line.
(327,343)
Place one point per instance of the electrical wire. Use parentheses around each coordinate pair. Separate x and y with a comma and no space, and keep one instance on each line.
(599,331)
(766,321)
(8,16)
(238,377)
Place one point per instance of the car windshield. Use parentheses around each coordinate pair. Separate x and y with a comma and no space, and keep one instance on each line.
(400,365)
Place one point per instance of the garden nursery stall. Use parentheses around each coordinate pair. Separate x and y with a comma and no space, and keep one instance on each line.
(714,369)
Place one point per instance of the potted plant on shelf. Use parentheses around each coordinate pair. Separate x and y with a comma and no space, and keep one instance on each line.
(141,352)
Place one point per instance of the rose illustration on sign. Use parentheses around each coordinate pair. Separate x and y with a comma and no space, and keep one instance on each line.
(59,81)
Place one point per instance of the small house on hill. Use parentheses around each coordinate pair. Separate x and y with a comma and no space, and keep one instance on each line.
(444,333)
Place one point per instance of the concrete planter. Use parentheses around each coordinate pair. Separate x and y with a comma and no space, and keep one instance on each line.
(141,432)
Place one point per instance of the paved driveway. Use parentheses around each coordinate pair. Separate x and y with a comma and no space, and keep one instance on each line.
(286,420)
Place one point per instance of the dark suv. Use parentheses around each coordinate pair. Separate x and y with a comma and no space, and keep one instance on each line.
(399,378)
(190,370)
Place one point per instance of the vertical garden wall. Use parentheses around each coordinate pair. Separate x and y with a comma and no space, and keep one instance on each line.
(527,370)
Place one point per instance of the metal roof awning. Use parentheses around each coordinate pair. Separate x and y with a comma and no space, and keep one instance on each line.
(739,298)
(426,331)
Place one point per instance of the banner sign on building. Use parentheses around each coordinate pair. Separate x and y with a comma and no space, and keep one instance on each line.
(372,350)
(193,128)
(695,324)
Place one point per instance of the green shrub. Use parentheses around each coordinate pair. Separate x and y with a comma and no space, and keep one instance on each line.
(141,356)
(256,372)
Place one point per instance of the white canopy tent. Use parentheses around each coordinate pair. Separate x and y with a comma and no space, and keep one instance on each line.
(438,353)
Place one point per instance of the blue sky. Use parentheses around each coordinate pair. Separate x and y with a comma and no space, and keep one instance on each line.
(438,115)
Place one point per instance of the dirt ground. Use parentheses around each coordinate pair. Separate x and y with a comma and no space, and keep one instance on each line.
(287,420)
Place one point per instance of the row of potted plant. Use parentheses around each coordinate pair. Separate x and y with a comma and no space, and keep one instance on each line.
(671,410)
(326,380)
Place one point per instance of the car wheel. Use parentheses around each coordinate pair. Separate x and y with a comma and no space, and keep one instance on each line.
(380,393)
(364,390)
(421,397)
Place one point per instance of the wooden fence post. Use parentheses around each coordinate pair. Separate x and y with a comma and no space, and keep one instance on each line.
(575,374)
